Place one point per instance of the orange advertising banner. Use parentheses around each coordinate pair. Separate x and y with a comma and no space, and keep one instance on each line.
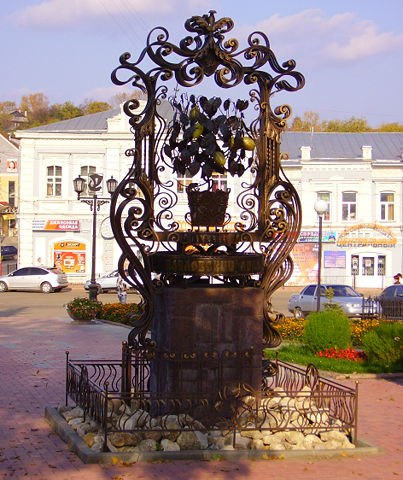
(70,256)
(58,225)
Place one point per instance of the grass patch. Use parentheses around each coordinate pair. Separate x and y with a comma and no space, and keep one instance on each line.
(300,355)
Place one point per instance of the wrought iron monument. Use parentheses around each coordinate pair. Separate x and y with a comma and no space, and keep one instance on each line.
(193,361)
(206,136)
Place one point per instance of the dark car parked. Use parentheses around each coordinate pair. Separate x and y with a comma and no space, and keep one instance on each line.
(391,301)
(8,252)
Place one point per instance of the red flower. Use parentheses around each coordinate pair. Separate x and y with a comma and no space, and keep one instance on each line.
(349,354)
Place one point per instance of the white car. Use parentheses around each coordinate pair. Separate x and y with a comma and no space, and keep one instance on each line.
(45,279)
(105,283)
(352,303)
(108,282)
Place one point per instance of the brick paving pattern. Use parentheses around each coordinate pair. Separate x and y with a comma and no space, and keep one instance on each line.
(32,375)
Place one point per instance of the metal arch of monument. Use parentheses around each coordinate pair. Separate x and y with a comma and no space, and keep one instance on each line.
(250,258)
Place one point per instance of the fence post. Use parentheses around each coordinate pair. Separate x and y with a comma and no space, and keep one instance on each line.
(105,422)
(126,372)
(67,382)
(355,438)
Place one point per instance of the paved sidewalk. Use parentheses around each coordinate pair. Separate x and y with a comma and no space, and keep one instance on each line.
(32,374)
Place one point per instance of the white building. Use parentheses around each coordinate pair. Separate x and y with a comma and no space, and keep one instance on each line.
(359,175)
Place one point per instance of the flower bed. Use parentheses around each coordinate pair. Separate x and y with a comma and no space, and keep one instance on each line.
(361,326)
(348,354)
(84,309)
(291,329)
(119,312)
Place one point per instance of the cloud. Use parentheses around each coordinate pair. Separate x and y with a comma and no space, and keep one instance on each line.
(318,38)
(52,14)
(101,94)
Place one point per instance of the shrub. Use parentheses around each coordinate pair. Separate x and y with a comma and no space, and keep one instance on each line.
(361,326)
(118,312)
(327,329)
(383,345)
(291,329)
(85,309)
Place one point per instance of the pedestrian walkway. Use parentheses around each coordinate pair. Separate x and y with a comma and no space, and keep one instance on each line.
(32,376)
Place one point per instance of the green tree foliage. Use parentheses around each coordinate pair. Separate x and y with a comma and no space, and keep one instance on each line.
(7,107)
(95,107)
(6,121)
(40,112)
(65,111)
(37,107)
(353,124)
(391,127)
(310,122)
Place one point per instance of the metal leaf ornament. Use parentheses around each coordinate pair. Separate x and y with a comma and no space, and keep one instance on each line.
(209,136)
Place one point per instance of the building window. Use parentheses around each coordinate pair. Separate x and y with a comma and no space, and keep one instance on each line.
(381,265)
(349,205)
(219,182)
(85,172)
(11,194)
(182,181)
(54,181)
(387,206)
(326,197)
(368,266)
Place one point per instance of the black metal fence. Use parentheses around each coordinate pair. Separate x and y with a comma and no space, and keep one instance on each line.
(383,308)
(290,399)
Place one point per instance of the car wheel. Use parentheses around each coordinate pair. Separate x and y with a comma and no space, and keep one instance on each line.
(46,287)
(3,287)
(298,313)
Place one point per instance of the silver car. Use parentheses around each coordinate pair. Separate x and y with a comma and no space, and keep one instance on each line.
(305,302)
(105,283)
(45,279)
(108,282)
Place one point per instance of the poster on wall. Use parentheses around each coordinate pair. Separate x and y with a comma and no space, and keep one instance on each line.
(69,256)
(305,257)
(334,259)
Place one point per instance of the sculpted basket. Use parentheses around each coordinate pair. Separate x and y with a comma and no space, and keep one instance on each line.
(207,208)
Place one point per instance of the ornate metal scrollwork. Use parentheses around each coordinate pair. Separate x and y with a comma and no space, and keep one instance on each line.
(143,210)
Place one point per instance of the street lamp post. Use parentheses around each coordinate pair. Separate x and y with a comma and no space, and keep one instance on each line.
(320,208)
(95,202)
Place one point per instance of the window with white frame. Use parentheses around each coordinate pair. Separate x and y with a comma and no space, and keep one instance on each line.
(349,206)
(182,181)
(326,197)
(54,181)
(387,206)
(219,182)
(85,172)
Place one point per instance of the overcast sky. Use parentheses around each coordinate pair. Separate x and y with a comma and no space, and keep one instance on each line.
(350,52)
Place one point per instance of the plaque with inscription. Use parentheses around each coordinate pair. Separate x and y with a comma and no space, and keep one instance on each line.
(241,264)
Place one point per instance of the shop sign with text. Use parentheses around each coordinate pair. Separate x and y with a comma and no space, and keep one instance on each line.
(366,234)
(307,236)
(56,225)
